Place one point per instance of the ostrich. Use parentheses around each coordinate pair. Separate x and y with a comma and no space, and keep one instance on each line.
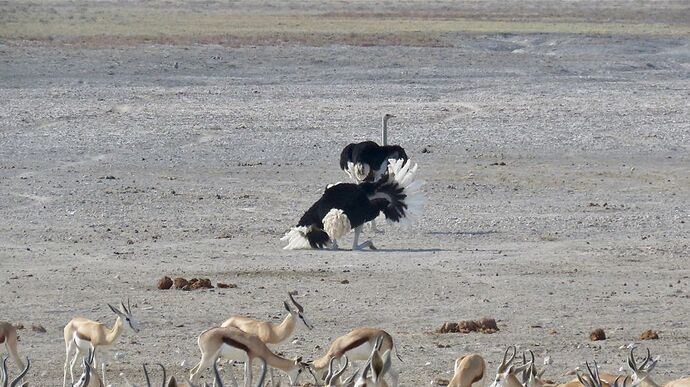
(347,206)
(368,161)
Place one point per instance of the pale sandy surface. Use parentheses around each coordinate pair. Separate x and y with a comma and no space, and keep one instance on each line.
(586,225)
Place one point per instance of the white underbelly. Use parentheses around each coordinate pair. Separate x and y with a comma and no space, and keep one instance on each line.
(231,353)
(82,344)
(360,353)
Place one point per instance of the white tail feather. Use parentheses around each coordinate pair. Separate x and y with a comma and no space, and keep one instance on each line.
(404,174)
(296,238)
(336,224)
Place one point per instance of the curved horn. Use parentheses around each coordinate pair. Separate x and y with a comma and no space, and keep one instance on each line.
(129,308)
(596,381)
(329,374)
(86,362)
(341,371)
(21,375)
(216,374)
(534,363)
(165,376)
(506,361)
(646,360)
(3,371)
(631,360)
(299,307)
(146,375)
(365,371)
(263,373)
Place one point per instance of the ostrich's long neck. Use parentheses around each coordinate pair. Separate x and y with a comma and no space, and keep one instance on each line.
(384,132)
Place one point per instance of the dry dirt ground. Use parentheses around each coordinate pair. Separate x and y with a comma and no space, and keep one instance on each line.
(138,141)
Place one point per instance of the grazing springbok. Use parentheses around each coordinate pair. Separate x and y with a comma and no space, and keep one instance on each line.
(468,370)
(5,377)
(357,345)
(8,336)
(233,344)
(505,374)
(82,334)
(268,332)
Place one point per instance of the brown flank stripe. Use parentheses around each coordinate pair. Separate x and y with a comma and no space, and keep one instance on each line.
(354,344)
(83,336)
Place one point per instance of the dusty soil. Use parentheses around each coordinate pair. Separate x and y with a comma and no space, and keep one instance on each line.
(556,167)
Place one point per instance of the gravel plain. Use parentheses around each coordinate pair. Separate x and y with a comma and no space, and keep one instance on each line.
(557,170)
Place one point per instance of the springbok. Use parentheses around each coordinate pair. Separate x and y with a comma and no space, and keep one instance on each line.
(268,332)
(468,370)
(683,382)
(8,335)
(81,334)
(594,378)
(642,372)
(378,365)
(505,374)
(89,377)
(233,344)
(358,345)
(5,377)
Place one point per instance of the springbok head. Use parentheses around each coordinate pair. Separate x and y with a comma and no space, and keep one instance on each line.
(125,313)
(298,314)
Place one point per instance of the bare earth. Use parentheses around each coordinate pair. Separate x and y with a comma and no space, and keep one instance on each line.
(554,139)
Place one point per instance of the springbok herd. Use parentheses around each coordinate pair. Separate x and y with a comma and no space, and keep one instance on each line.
(244,339)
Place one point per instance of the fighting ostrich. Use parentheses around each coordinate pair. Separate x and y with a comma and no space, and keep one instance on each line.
(346,206)
(368,161)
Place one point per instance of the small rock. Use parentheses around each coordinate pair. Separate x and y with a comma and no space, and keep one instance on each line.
(18,326)
(488,325)
(345,282)
(180,283)
(449,327)
(226,286)
(201,283)
(597,334)
(165,283)
(441,382)
(649,335)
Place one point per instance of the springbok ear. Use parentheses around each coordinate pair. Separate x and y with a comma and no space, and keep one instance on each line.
(287,306)
(172,382)
(115,310)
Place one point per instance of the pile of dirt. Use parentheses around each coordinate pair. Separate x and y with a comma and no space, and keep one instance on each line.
(484,325)
(649,335)
(597,334)
(192,284)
